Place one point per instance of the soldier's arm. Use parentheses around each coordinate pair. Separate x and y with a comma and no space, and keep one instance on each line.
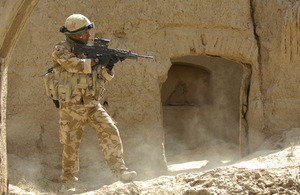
(70,62)
(106,74)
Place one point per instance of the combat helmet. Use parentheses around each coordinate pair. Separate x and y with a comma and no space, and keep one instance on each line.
(76,24)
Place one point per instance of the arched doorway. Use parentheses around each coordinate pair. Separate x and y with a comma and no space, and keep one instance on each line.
(201,110)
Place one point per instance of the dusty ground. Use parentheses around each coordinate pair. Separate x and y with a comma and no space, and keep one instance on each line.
(272,171)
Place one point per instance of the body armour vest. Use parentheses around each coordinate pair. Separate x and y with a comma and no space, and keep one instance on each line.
(71,72)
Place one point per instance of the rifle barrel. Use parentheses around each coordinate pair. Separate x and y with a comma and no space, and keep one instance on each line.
(149,57)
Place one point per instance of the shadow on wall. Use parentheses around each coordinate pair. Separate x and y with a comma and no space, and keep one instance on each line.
(201,102)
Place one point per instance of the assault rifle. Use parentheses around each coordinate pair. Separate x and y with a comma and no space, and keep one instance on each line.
(100,48)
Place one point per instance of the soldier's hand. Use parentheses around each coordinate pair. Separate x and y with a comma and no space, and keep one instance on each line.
(104,60)
(110,66)
(114,59)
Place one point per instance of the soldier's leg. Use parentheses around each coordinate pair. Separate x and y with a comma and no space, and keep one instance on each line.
(71,130)
(109,138)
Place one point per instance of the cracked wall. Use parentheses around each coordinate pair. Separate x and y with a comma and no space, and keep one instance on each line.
(166,30)
(277,32)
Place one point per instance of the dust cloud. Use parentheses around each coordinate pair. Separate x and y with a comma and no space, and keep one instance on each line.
(201,106)
(200,148)
(272,170)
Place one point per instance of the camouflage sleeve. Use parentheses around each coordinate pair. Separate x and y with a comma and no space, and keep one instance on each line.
(105,75)
(69,61)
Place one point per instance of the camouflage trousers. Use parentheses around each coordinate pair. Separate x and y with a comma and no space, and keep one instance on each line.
(74,116)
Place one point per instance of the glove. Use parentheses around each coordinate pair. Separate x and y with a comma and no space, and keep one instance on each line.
(110,66)
(103,60)
(114,59)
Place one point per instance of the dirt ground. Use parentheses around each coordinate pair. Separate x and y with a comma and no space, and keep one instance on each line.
(274,169)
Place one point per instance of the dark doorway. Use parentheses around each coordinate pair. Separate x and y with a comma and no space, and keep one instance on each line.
(201,102)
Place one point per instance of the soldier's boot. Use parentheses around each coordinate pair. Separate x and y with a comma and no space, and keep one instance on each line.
(126,176)
(67,187)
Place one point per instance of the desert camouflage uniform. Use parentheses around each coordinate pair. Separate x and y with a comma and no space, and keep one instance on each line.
(81,108)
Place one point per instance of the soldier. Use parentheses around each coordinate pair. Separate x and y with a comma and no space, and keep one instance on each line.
(76,87)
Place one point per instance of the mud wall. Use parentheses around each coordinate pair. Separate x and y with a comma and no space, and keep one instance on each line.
(241,31)
(14,15)
(277,30)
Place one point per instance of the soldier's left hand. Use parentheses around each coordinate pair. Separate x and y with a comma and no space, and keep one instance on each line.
(104,59)
(114,58)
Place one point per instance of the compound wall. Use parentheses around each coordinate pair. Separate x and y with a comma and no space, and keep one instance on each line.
(261,36)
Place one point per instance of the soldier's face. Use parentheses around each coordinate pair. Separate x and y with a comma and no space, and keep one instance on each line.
(86,36)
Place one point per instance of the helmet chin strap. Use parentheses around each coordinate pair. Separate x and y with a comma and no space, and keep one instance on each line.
(81,38)
(69,39)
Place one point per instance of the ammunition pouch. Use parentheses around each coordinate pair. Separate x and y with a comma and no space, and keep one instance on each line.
(83,81)
(67,85)
(61,85)
(51,84)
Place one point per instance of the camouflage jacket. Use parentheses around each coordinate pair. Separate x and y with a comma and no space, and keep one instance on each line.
(73,73)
